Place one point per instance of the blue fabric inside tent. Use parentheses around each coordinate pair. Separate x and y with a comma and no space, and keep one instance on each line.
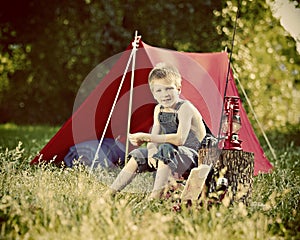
(111,154)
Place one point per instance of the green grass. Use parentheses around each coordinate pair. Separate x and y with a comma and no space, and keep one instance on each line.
(46,202)
(33,138)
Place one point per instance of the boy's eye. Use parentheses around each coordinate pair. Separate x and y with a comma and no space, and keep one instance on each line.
(169,88)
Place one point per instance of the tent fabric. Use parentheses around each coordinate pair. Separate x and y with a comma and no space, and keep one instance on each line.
(204,79)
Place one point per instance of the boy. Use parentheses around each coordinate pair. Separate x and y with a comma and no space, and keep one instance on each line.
(176,135)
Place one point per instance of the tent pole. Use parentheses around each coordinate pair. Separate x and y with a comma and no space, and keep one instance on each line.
(228,71)
(135,45)
(111,112)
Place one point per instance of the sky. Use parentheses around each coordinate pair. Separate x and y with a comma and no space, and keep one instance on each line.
(289,17)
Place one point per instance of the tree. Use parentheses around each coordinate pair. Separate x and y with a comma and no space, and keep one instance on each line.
(52,45)
(48,47)
(58,43)
(265,60)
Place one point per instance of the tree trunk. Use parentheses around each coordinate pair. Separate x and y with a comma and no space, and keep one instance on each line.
(236,166)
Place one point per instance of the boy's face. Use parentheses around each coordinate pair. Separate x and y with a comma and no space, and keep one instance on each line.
(165,92)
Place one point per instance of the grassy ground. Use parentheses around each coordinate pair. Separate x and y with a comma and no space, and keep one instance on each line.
(46,202)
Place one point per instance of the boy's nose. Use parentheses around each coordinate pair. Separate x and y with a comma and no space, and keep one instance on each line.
(165,93)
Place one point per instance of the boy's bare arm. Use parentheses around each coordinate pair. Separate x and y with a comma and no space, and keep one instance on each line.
(185,115)
(151,146)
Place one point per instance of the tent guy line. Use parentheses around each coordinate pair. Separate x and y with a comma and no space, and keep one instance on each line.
(132,54)
(135,45)
(254,114)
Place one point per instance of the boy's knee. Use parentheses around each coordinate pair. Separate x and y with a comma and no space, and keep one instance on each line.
(136,153)
(161,164)
(166,145)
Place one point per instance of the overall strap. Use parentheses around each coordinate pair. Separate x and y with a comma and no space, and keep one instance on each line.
(178,105)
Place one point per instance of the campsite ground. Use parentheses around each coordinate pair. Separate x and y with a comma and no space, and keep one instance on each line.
(46,202)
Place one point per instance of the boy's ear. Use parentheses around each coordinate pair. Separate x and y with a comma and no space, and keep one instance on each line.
(179,89)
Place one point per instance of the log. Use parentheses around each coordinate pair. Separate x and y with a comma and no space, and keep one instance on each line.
(237,166)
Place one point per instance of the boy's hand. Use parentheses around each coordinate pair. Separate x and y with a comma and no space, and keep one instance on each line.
(152,162)
(137,139)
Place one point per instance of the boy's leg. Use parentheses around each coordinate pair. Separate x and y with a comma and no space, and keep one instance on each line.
(161,180)
(125,176)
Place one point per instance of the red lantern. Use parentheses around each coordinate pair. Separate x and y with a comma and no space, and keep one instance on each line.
(231,123)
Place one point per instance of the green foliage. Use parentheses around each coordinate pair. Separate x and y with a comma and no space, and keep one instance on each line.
(46,202)
(64,40)
(10,62)
(67,42)
(265,59)
(49,47)
(32,138)
(178,25)
(285,136)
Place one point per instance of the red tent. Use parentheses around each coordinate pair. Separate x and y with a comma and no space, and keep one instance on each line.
(204,78)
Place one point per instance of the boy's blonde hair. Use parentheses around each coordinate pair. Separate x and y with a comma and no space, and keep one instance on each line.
(166,72)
